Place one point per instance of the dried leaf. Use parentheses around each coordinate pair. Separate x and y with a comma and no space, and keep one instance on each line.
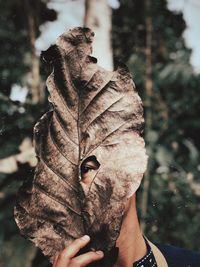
(17,252)
(97,113)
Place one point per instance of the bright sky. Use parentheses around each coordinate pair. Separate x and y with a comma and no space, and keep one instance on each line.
(191,13)
(71,13)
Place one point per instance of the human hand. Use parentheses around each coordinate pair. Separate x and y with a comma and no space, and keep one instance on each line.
(68,258)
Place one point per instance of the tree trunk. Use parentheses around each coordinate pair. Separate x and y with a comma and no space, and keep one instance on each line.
(148,102)
(37,96)
(98,16)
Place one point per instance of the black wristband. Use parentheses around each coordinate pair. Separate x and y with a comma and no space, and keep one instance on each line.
(148,260)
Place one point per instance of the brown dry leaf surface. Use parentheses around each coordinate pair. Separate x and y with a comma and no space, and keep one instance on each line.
(95,112)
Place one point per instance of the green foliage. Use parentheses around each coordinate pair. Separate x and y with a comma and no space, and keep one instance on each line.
(13,46)
(16,123)
(15,43)
(16,120)
(173,137)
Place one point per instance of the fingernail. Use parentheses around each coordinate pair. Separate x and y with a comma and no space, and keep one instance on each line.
(85,238)
(99,252)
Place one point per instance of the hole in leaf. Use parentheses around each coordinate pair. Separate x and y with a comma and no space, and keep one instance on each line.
(89,169)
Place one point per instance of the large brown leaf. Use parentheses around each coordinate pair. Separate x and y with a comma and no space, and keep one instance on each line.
(97,113)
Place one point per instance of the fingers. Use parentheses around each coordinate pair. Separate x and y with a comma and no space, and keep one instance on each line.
(75,246)
(63,259)
(86,258)
(67,257)
(55,260)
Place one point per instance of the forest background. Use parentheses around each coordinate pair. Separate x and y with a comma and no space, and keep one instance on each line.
(148,37)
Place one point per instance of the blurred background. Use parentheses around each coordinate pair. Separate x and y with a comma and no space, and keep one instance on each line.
(159,40)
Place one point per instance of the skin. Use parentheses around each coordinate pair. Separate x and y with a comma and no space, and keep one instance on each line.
(130,242)
(67,258)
